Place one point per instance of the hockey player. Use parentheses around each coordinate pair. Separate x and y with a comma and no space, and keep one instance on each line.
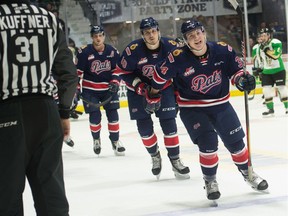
(96,63)
(201,71)
(273,71)
(257,63)
(256,60)
(136,64)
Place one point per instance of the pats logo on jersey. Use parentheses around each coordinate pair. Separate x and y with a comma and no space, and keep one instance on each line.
(203,83)
(148,71)
(99,67)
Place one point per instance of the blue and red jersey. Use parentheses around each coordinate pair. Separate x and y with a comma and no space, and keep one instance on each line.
(201,82)
(97,68)
(138,61)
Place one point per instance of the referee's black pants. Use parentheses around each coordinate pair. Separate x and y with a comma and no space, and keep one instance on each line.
(31,140)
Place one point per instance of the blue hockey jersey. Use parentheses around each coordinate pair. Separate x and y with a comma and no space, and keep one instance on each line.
(138,61)
(200,82)
(97,68)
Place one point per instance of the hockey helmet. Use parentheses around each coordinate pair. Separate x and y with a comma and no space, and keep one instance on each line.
(191,25)
(147,23)
(96,29)
(265,30)
(179,40)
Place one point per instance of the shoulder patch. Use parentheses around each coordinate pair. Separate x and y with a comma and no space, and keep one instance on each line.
(81,48)
(133,46)
(172,42)
(222,43)
(177,52)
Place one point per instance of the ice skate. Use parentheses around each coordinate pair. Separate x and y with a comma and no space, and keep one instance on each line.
(73,114)
(286,112)
(212,190)
(119,150)
(97,146)
(256,182)
(156,165)
(268,113)
(69,141)
(180,171)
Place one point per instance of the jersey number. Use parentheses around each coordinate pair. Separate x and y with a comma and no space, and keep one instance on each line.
(28,48)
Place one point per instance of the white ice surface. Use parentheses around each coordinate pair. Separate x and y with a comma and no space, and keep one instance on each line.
(107,185)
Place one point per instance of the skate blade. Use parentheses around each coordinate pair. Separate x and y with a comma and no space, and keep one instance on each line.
(179,176)
(119,153)
(268,116)
(157,177)
(266,191)
(214,203)
(97,153)
(68,141)
(70,144)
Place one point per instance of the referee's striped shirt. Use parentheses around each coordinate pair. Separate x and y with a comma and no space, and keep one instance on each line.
(32,47)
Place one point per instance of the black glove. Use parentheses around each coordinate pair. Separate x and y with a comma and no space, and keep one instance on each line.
(256,71)
(260,76)
(152,102)
(263,46)
(113,87)
(245,82)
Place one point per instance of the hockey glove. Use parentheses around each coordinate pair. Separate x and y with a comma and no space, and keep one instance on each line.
(139,86)
(152,102)
(256,71)
(113,87)
(245,82)
(269,53)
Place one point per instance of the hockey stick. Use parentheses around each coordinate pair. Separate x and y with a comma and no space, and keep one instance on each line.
(99,104)
(237,8)
(78,112)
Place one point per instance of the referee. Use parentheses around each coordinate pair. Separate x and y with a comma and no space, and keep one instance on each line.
(32,51)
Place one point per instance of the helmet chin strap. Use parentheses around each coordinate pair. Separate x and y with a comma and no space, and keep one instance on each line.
(194,50)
